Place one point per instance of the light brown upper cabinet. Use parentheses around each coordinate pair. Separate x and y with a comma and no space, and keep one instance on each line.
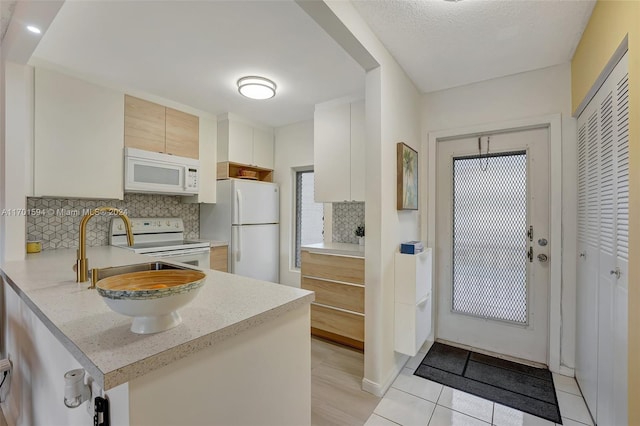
(181,136)
(157,128)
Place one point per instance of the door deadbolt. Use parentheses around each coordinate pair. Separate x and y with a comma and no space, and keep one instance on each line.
(542,257)
(542,242)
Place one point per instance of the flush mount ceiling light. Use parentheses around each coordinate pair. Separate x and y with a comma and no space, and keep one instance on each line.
(255,87)
(34,29)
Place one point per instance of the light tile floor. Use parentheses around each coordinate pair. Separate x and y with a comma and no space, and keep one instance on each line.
(412,400)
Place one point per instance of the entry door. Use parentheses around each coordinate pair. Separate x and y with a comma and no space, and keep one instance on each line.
(492,242)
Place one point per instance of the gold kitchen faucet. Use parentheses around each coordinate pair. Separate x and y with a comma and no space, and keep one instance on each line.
(82,264)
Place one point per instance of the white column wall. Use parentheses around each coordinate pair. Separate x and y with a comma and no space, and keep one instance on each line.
(530,94)
(2,156)
(293,149)
(392,115)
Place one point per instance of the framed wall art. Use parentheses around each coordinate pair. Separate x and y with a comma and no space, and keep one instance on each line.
(407,191)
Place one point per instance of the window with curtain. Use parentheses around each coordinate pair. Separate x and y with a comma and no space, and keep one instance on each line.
(309,214)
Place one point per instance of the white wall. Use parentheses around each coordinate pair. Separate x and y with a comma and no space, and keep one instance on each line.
(261,376)
(530,94)
(293,150)
(392,105)
(2,156)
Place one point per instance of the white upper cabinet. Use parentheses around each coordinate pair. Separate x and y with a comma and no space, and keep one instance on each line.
(237,138)
(208,160)
(338,152)
(263,148)
(241,142)
(78,138)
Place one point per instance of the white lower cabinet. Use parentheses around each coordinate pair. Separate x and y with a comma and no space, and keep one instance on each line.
(413,304)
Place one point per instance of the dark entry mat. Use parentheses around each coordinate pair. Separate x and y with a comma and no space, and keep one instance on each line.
(518,386)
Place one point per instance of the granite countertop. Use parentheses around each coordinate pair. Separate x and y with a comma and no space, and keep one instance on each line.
(345,249)
(213,243)
(101,340)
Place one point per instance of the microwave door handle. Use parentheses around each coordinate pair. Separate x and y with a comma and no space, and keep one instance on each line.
(183,173)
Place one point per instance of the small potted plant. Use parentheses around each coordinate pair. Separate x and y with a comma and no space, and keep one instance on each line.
(360,234)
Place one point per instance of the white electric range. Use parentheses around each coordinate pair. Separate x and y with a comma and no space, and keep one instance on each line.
(160,238)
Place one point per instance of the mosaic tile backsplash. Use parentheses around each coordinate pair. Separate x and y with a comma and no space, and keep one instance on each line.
(346,218)
(56,221)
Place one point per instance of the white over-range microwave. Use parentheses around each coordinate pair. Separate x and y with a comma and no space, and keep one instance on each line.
(154,172)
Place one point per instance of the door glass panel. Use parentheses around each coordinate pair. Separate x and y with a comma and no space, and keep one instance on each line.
(490,237)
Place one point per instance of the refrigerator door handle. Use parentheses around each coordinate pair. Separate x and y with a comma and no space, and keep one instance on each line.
(239,201)
(238,243)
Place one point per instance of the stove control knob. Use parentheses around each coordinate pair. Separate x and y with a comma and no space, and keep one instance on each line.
(168,223)
(120,227)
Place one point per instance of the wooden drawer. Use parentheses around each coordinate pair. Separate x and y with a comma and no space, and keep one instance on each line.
(219,258)
(337,322)
(332,267)
(345,296)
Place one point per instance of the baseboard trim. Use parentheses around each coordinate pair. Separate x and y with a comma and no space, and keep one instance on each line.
(379,389)
(564,370)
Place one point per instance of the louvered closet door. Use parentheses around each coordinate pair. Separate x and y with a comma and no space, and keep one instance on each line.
(603,176)
(587,271)
(607,258)
(621,287)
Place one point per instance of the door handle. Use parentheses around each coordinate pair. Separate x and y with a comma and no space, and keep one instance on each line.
(615,272)
(239,200)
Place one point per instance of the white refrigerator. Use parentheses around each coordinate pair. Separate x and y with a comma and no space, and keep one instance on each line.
(246,214)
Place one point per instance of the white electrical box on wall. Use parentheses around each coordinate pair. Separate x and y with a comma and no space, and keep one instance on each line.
(413,301)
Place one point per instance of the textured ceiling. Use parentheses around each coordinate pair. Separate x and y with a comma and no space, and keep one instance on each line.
(194,52)
(443,44)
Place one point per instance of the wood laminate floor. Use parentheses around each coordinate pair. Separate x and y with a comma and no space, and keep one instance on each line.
(337,397)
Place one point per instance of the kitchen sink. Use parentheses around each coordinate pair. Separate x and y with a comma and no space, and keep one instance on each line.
(138,267)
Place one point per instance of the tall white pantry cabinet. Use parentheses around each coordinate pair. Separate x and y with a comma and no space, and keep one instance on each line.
(603,249)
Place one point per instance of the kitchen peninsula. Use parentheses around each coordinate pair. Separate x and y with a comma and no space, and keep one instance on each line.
(240,356)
